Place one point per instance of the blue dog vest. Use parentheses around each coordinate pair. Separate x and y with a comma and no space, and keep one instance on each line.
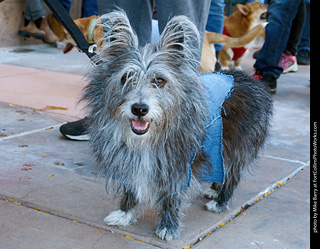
(219,87)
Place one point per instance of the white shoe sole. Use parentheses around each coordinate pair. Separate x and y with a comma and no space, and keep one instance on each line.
(84,137)
(293,68)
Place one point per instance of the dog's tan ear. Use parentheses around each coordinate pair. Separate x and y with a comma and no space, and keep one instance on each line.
(244,9)
(117,30)
(180,34)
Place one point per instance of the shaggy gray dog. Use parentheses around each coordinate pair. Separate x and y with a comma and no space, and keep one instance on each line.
(148,114)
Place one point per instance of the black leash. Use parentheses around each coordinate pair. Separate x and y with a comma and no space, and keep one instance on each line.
(64,18)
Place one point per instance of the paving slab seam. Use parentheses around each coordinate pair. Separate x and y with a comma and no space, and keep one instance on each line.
(75,219)
(252,201)
(25,133)
(285,159)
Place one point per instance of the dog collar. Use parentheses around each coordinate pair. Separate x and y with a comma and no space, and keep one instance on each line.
(91,30)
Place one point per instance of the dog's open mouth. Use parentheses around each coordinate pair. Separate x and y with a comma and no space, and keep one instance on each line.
(140,126)
(263,16)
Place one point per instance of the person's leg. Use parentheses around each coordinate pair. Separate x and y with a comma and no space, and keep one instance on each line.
(196,10)
(66,4)
(296,29)
(215,19)
(89,8)
(305,36)
(280,16)
(41,30)
(288,60)
(139,13)
(34,10)
(304,45)
(30,25)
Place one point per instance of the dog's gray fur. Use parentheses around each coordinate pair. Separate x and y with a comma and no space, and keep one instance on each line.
(158,87)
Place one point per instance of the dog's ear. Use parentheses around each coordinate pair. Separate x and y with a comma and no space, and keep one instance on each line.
(118,35)
(244,9)
(180,37)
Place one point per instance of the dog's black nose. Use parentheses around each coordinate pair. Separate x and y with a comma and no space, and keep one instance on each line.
(139,109)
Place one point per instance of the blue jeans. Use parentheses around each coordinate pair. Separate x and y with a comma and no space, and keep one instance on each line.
(215,19)
(280,16)
(34,10)
(89,7)
(305,36)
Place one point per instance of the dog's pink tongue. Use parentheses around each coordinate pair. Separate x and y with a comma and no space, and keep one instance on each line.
(139,124)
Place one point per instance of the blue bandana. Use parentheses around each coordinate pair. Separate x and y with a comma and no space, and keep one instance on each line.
(219,87)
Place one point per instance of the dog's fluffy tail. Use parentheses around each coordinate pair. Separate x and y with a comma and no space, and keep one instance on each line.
(235,42)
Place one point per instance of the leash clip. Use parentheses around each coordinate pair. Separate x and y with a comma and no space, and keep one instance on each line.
(90,52)
(91,48)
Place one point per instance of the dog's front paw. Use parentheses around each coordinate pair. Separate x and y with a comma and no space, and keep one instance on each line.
(216,207)
(120,218)
(168,232)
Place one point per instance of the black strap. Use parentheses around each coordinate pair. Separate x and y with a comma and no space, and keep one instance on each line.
(64,18)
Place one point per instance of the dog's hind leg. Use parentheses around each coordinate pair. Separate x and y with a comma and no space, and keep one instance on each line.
(224,191)
(169,225)
(225,56)
(125,215)
(237,65)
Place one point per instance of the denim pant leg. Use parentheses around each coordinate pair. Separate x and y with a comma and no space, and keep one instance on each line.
(305,36)
(34,10)
(215,19)
(139,13)
(280,16)
(296,29)
(89,8)
(66,4)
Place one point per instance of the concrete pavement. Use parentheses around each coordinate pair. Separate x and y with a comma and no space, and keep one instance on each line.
(51,195)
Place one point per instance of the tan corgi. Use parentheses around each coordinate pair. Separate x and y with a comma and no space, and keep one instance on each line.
(208,58)
(238,24)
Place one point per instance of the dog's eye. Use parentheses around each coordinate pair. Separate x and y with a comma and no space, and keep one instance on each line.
(125,78)
(159,82)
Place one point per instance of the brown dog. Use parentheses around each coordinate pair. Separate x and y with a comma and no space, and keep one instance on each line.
(238,24)
(208,58)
